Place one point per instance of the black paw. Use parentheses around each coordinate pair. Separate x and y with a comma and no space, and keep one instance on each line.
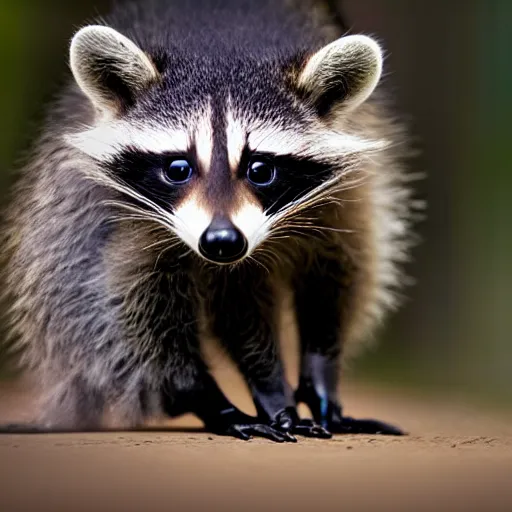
(347,425)
(289,421)
(232,422)
(246,432)
(339,424)
(329,414)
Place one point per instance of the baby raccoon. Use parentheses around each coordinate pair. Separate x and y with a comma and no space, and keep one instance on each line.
(208,158)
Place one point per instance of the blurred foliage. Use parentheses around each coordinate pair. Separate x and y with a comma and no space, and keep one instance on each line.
(450,73)
(450,68)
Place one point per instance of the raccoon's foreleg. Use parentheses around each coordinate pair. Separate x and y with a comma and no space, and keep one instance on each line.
(189,387)
(244,320)
(219,415)
(324,303)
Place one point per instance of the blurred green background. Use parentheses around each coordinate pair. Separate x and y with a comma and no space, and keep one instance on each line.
(450,73)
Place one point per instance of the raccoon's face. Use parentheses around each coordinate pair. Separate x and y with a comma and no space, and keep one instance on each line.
(221,152)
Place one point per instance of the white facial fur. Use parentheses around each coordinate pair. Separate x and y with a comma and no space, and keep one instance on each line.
(191,220)
(251,220)
(106,140)
(204,137)
(236,138)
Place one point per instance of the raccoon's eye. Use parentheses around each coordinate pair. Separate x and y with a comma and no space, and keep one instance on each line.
(178,171)
(261,173)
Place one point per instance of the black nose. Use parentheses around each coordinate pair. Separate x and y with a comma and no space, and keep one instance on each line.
(222,242)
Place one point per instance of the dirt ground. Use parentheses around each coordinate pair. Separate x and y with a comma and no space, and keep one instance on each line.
(455,458)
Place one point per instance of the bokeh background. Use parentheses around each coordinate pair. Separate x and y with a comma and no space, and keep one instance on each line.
(450,72)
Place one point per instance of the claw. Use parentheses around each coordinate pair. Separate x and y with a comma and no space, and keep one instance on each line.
(288,421)
(273,434)
(237,424)
(247,431)
(236,431)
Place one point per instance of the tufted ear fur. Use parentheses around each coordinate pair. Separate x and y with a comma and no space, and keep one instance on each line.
(343,74)
(109,68)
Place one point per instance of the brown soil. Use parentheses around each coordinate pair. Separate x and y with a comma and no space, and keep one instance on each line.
(454,459)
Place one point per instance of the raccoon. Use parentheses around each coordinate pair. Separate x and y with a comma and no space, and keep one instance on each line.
(209,158)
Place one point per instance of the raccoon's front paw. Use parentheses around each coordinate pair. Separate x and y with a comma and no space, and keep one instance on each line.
(347,425)
(308,428)
(329,414)
(247,431)
(237,424)
(288,421)
(339,424)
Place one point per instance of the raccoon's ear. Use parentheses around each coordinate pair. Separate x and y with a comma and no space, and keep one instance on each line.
(109,68)
(342,74)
